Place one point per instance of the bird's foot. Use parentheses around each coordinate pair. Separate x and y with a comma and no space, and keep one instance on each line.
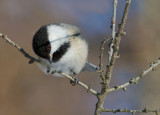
(75,81)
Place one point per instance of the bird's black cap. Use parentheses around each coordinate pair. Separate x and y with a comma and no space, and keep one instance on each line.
(41,44)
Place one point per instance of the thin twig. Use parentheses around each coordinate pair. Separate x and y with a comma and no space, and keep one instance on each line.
(136,79)
(113,26)
(32,59)
(101,71)
(80,83)
(145,110)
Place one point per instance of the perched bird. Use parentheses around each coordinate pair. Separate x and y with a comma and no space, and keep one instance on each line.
(60,48)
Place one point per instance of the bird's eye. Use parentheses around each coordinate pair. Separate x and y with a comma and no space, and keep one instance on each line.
(48,46)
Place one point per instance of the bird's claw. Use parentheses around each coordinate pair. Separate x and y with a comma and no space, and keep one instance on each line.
(75,82)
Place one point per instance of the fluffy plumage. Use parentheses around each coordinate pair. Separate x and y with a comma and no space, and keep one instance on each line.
(60,47)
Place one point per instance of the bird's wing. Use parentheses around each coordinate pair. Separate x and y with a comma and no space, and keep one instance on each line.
(72,29)
(90,67)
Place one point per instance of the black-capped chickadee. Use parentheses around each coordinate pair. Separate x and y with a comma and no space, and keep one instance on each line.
(61,48)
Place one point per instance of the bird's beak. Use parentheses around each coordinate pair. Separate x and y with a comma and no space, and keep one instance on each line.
(50,60)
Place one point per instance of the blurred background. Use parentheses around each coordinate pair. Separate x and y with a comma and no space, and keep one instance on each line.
(25,90)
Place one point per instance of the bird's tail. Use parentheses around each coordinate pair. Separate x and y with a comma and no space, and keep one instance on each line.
(90,67)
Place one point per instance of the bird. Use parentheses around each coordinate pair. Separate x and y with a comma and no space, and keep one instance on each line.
(61,48)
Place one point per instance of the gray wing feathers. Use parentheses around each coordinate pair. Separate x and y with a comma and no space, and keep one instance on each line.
(72,29)
(90,67)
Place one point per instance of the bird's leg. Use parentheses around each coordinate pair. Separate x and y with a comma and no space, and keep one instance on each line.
(48,70)
(53,72)
(76,80)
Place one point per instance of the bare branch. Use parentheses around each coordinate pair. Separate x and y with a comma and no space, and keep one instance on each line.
(32,59)
(136,79)
(115,47)
(80,83)
(101,71)
(145,110)
(116,41)
(113,26)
